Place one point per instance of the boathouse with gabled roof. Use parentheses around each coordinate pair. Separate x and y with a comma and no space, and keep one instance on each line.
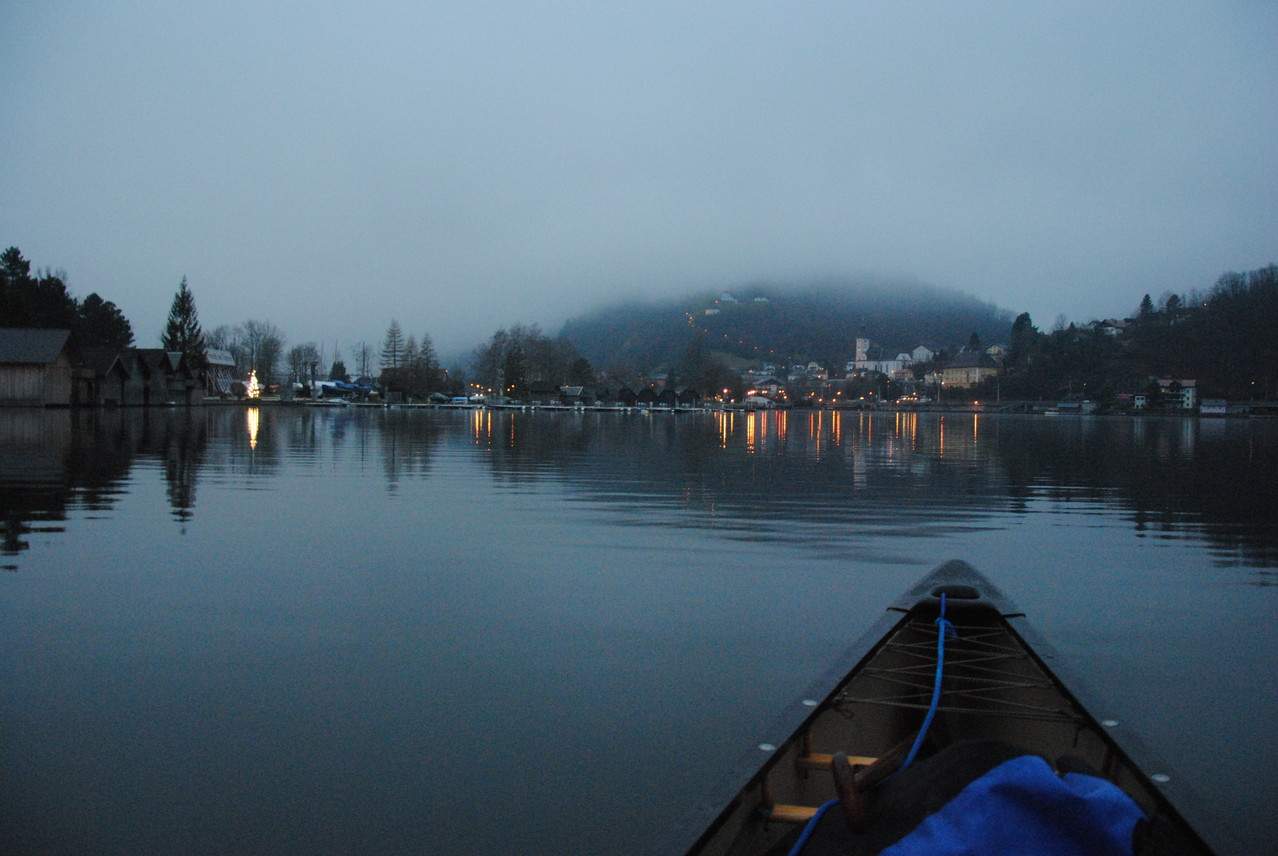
(40,368)
(157,376)
(110,377)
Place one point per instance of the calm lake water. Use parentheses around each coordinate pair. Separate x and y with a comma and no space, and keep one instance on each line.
(332,631)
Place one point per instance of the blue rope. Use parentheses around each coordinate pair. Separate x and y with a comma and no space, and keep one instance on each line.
(943,628)
(797,849)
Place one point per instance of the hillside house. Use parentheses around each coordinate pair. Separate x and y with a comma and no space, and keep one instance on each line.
(876,358)
(968,369)
(1110,327)
(771,386)
(812,371)
(1178,394)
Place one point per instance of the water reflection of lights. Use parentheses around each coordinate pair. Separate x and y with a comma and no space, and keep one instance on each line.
(727,424)
(816,430)
(482,424)
(767,429)
(909,426)
(253,417)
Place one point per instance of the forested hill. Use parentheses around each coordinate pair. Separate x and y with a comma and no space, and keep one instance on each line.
(787,324)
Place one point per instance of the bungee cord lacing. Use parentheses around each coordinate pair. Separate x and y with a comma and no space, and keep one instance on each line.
(943,628)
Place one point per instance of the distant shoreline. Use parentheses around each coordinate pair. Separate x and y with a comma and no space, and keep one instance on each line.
(1255,410)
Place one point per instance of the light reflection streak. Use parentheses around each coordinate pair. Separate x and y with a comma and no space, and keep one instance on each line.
(482,425)
(726,420)
(253,417)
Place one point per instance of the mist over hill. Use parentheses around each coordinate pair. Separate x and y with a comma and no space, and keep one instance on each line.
(787,324)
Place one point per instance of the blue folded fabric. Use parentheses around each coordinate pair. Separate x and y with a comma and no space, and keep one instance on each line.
(1022,808)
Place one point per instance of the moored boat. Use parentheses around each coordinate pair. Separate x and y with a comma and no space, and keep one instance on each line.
(947,691)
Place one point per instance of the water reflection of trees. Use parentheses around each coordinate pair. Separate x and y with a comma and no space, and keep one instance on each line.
(262,443)
(1212,478)
(795,475)
(53,461)
(908,473)
(408,444)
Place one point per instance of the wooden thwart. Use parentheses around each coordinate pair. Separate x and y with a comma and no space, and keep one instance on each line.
(791,813)
(785,813)
(821,760)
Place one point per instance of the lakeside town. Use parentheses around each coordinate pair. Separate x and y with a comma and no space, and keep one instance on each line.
(43,367)
(59,351)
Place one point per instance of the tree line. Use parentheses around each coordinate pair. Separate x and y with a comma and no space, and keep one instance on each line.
(43,300)
(1222,338)
(511,361)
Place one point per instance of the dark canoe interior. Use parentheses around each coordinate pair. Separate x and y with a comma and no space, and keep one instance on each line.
(1001,683)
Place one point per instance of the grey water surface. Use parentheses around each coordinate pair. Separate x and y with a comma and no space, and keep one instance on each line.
(337,630)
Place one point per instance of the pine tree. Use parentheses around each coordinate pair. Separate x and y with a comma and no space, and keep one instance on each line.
(102,325)
(426,353)
(425,370)
(182,331)
(393,346)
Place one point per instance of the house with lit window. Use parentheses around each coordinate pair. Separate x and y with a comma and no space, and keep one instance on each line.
(968,369)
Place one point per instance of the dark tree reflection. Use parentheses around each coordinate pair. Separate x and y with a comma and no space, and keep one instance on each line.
(53,461)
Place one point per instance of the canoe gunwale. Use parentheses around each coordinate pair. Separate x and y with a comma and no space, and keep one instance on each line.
(1176,797)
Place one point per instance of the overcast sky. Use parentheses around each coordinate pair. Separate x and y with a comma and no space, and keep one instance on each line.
(463,166)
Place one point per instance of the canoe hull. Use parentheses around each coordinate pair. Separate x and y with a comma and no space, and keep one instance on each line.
(1002,682)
